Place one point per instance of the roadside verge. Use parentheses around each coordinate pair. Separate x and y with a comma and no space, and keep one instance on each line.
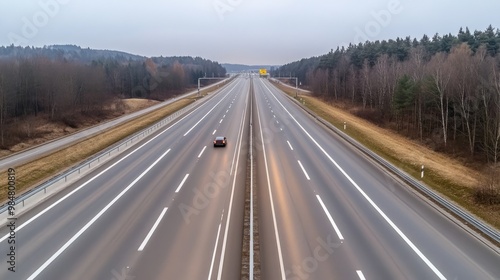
(51,174)
(471,217)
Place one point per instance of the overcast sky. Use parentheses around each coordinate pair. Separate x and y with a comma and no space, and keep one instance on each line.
(234,31)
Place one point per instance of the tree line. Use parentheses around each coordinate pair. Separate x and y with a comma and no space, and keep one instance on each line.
(57,87)
(445,90)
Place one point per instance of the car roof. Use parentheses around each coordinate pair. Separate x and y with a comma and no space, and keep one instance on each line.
(219,137)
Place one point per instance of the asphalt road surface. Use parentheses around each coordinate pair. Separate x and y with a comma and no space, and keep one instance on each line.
(169,209)
(327,212)
(38,151)
(172,208)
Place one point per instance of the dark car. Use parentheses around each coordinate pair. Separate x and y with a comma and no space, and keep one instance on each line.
(220,141)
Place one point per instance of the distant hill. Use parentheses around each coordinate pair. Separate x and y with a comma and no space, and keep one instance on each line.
(131,69)
(237,68)
(74,53)
(87,55)
(68,52)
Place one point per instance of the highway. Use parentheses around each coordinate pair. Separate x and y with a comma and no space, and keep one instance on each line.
(169,209)
(172,207)
(52,146)
(327,212)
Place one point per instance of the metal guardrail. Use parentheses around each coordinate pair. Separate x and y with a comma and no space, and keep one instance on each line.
(453,208)
(129,141)
(95,160)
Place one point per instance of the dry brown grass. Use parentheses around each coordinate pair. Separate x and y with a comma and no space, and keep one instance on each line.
(403,149)
(444,174)
(136,104)
(30,174)
(41,169)
(43,129)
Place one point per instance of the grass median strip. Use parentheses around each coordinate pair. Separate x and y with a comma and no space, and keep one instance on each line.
(33,173)
(444,174)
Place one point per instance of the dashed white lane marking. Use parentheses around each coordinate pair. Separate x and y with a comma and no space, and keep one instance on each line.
(230,209)
(182,183)
(93,220)
(362,192)
(152,230)
(304,170)
(276,232)
(208,113)
(360,274)
(334,225)
(201,153)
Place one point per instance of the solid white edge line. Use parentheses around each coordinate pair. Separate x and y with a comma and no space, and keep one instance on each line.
(215,251)
(334,225)
(290,145)
(96,217)
(304,170)
(152,230)
(228,221)
(201,153)
(96,176)
(182,183)
(250,263)
(86,183)
(386,218)
(276,232)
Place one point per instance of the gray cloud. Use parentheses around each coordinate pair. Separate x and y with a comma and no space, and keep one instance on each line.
(236,31)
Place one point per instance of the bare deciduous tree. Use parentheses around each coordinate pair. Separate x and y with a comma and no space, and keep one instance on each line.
(440,76)
(464,74)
